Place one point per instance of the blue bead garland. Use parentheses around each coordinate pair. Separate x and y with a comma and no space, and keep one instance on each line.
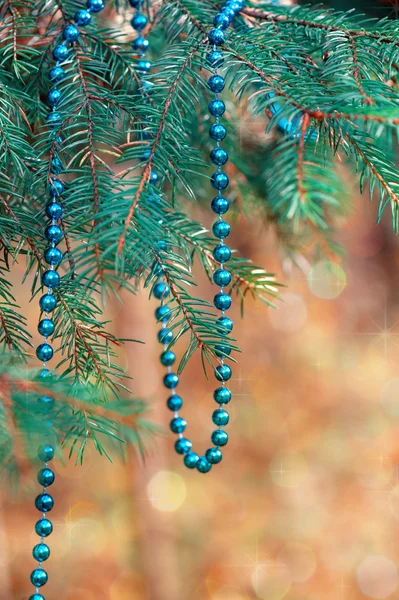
(44,502)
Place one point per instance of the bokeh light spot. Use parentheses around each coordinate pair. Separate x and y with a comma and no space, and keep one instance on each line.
(377,577)
(327,280)
(299,559)
(166,491)
(288,470)
(290,314)
(271,582)
(390,397)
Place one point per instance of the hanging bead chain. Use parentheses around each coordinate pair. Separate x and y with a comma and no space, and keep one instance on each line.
(221,277)
(50,280)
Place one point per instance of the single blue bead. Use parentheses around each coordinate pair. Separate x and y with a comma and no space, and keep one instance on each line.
(53,97)
(70,33)
(220,205)
(216,107)
(213,455)
(217,132)
(168,358)
(224,324)
(191,459)
(183,445)
(222,277)
(45,374)
(145,156)
(162,244)
(60,52)
(48,302)
(39,577)
(46,401)
(46,477)
(220,417)
(223,372)
(82,17)
(222,253)
(139,21)
(203,466)
(228,12)
(171,380)
(219,156)
(143,66)
(165,336)
(219,438)
(154,178)
(215,59)
(221,20)
(44,352)
(222,351)
(216,83)
(56,165)
(53,256)
(54,120)
(44,502)
(161,290)
(36,597)
(236,6)
(53,233)
(46,453)
(56,74)
(178,425)
(222,301)
(174,402)
(50,279)
(219,180)
(46,327)
(216,37)
(163,313)
(140,43)
(56,188)
(221,229)
(95,5)
(43,527)
(54,210)
(135,3)
(41,552)
(222,395)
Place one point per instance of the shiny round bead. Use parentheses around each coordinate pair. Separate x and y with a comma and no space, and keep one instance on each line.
(39,577)
(220,417)
(191,459)
(224,324)
(178,425)
(161,290)
(41,552)
(45,477)
(48,302)
(56,74)
(53,233)
(203,466)
(50,279)
(236,6)
(43,527)
(46,401)
(95,5)
(60,52)
(56,166)
(45,374)
(54,210)
(219,438)
(221,229)
(46,327)
(36,597)
(82,17)
(213,455)
(216,107)
(221,20)
(140,43)
(171,380)
(135,3)
(220,205)
(215,59)
(154,178)
(223,372)
(222,301)
(183,445)
(143,66)
(222,395)
(165,336)
(53,256)
(163,313)
(229,12)
(216,83)
(219,180)
(56,188)
(70,33)
(54,120)
(217,132)
(222,253)
(46,453)
(222,351)
(216,37)
(44,352)
(168,358)
(222,277)
(174,402)
(219,156)
(53,97)
(44,502)
(139,21)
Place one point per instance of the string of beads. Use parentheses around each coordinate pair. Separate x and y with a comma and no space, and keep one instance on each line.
(51,279)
